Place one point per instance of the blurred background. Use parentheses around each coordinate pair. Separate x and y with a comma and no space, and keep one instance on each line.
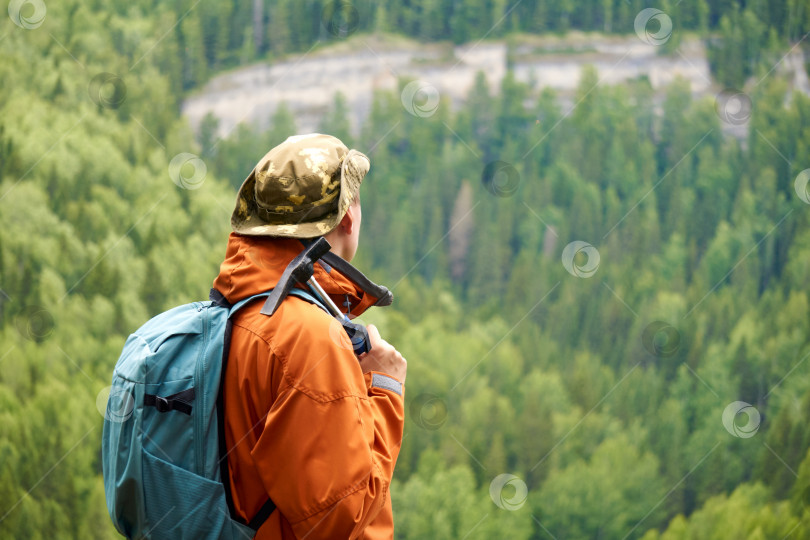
(593,216)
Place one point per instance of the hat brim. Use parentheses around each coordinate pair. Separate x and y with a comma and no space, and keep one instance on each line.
(246,220)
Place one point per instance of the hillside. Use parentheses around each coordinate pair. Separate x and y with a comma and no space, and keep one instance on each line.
(604,299)
(364,64)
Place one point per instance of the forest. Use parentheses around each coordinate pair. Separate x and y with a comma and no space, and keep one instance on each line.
(604,307)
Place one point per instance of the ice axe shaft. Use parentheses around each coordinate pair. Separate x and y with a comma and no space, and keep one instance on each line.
(326,299)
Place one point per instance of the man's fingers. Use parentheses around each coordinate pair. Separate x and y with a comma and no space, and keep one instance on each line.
(383,357)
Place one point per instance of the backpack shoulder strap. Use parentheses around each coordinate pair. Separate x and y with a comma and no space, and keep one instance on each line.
(219,299)
(300,293)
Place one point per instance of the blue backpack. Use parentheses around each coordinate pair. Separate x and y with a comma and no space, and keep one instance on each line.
(163,447)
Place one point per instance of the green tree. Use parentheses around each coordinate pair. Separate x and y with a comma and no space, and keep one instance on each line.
(619,487)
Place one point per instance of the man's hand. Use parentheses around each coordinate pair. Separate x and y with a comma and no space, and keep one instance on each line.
(383,357)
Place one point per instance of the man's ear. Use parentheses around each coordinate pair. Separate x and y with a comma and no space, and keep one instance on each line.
(347,222)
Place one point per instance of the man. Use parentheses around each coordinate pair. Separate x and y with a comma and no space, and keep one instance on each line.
(307,424)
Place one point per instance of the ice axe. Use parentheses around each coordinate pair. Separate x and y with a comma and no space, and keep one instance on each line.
(301,270)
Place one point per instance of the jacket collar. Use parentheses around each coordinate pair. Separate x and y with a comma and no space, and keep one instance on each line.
(254,264)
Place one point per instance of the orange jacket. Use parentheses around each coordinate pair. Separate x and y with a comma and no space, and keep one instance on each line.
(303,424)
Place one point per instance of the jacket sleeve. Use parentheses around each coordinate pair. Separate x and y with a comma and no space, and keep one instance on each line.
(331,438)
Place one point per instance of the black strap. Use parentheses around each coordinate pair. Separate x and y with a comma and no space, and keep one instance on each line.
(267,508)
(218,298)
(262,515)
(181,401)
(224,475)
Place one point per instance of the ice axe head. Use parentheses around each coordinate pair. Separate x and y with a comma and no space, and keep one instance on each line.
(299,270)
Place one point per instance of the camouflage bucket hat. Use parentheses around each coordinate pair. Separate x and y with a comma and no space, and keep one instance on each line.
(299,189)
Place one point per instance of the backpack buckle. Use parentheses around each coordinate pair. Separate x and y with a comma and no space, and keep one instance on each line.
(162,404)
(181,401)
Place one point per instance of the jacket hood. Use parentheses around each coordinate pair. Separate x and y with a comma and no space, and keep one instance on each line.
(254,264)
